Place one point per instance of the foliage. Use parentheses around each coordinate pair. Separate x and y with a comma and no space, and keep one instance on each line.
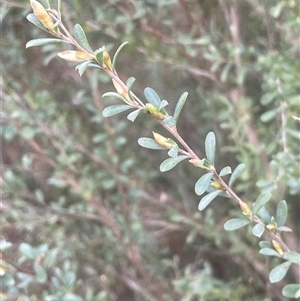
(86,218)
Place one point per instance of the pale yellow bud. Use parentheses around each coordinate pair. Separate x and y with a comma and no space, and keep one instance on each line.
(42,15)
(163,141)
(155,112)
(106,60)
(73,56)
(245,208)
(122,90)
(277,246)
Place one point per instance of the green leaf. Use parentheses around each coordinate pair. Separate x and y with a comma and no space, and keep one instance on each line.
(133,115)
(264,215)
(152,97)
(292,257)
(258,229)
(180,105)
(82,67)
(170,121)
(265,244)
(39,42)
(115,109)
(236,223)
(114,94)
(173,152)
(236,173)
(281,213)
(210,147)
(27,250)
(284,229)
(81,39)
(71,297)
(203,183)
(268,252)
(269,115)
(117,54)
(169,163)
(130,81)
(260,202)
(27,132)
(225,72)
(149,143)
(225,171)
(291,290)
(206,200)
(163,104)
(279,272)
(34,20)
(40,272)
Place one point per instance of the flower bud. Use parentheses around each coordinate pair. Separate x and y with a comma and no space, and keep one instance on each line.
(42,15)
(106,60)
(74,56)
(245,208)
(163,141)
(121,90)
(217,185)
(277,247)
(271,226)
(154,111)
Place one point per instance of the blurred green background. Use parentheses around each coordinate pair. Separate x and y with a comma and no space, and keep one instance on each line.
(86,214)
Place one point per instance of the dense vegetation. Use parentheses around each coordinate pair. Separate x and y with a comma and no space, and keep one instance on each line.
(87,215)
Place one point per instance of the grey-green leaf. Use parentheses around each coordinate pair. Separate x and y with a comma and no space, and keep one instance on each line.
(225,171)
(203,183)
(264,215)
(149,143)
(163,104)
(281,213)
(173,152)
(260,201)
(130,81)
(265,244)
(152,97)
(82,67)
(180,105)
(236,173)
(34,20)
(27,250)
(268,252)
(117,53)
(206,200)
(169,163)
(279,272)
(115,109)
(291,290)
(170,121)
(210,147)
(133,115)
(292,256)
(236,223)
(39,42)
(258,229)
(114,94)
(81,39)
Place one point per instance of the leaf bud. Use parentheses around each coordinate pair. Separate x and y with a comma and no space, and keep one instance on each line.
(122,90)
(163,141)
(271,226)
(42,15)
(217,185)
(277,246)
(154,111)
(74,56)
(245,208)
(106,60)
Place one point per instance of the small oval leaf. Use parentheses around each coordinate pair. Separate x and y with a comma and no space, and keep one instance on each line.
(281,213)
(133,115)
(236,173)
(180,105)
(264,215)
(170,121)
(291,290)
(115,109)
(258,229)
(225,171)
(117,53)
(292,257)
(34,20)
(152,97)
(203,183)
(169,163)
(268,252)
(261,200)
(149,143)
(210,147)
(173,152)
(80,37)
(236,223)
(39,42)
(206,200)
(279,272)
